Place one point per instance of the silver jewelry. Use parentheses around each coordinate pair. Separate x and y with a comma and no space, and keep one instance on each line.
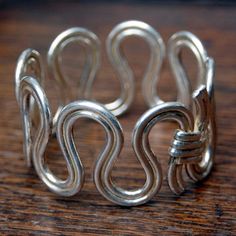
(193,145)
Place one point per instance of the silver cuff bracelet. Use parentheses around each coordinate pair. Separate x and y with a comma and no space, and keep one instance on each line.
(193,145)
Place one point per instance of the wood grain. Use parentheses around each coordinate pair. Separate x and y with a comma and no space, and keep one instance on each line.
(28,208)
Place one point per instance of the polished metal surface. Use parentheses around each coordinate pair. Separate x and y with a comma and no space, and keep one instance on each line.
(193,145)
(91,43)
(29,63)
(202,102)
(118,61)
(175,45)
(125,73)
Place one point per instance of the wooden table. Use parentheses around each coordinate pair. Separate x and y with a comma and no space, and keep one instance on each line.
(26,205)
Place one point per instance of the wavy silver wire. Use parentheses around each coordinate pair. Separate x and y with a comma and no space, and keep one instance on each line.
(202,169)
(187,147)
(114,142)
(176,43)
(205,77)
(102,172)
(91,43)
(173,111)
(29,59)
(29,87)
(115,38)
(205,67)
(205,71)
(120,64)
(177,171)
(29,62)
(117,59)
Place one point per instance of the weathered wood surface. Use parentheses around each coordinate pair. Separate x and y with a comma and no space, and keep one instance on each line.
(26,205)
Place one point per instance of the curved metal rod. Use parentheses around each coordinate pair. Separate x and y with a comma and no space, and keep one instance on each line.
(205,122)
(91,42)
(202,108)
(86,109)
(175,178)
(29,63)
(120,64)
(205,77)
(175,44)
(102,173)
(105,162)
(31,60)
(29,87)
